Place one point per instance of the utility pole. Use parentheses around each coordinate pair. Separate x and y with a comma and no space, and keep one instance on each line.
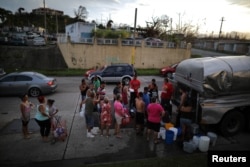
(222,19)
(45,26)
(171,28)
(56,25)
(134,48)
(135,22)
(179,27)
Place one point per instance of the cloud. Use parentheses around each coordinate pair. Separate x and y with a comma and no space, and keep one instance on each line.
(245,3)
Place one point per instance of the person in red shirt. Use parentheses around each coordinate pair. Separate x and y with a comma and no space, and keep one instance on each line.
(166,95)
(134,88)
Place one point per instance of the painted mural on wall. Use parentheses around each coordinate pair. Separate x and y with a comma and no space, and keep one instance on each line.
(82,63)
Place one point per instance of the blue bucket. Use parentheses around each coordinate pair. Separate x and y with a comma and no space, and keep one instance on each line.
(169,137)
(179,131)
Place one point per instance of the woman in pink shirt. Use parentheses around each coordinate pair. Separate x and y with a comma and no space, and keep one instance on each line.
(155,113)
(25,107)
(119,114)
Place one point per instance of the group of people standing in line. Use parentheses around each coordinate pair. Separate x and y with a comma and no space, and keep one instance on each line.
(148,107)
(45,112)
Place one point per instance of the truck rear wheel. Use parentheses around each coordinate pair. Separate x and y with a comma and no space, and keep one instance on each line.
(232,123)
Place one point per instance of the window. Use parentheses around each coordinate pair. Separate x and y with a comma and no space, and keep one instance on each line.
(120,69)
(9,79)
(23,78)
(110,69)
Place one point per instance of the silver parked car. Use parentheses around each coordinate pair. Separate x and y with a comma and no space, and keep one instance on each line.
(39,41)
(31,83)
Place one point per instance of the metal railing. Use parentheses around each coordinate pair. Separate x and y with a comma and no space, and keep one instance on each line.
(105,41)
(124,42)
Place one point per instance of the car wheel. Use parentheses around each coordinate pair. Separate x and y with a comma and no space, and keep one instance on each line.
(232,123)
(34,92)
(126,80)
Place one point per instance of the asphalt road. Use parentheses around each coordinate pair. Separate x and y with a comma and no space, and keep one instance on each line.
(206,53)
(67,98)
(14,150)
(68,88)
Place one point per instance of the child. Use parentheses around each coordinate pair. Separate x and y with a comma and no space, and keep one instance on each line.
(52,112)
(106,117)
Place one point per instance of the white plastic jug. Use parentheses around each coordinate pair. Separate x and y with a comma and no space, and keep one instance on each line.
(161,133)
(196,141)
(213,138)
(175,130)
(204,143)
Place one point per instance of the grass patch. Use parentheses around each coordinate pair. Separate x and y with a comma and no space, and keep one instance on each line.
(196,56)
(57,72)
(147,71)
(63,72)
(78,72)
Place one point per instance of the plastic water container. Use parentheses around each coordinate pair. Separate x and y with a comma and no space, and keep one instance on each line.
(204,143)
(169,137)
(196,140)
(194,128)
(188,147)
(162,133)
(179,131)
(175,130)
(213,138)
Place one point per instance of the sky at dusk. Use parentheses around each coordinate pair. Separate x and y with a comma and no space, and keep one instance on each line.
(205,13)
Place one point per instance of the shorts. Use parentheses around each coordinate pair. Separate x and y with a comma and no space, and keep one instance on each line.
(139,118)
(118,119)
(153,126)
(89,120)
(185,121)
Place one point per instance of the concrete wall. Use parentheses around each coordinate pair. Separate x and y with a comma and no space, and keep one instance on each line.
(77,55)
(85,56)
(29,57)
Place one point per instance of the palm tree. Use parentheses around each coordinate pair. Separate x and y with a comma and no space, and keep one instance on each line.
(81,13)
(109,24)
(20,10)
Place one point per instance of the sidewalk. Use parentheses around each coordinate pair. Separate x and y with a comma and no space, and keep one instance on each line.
(16,151)
(78,150)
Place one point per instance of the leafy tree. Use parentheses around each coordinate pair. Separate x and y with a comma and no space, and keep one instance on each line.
(4,14)
(107,33)
(101,26)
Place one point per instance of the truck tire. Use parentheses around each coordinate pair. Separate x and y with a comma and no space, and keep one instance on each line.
(232,123)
